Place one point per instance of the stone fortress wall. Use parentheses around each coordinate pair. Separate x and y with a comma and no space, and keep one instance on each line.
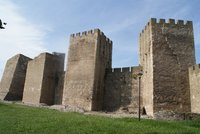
(121,90)
(166,52)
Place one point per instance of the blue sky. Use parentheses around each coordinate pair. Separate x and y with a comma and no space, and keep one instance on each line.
(36,26)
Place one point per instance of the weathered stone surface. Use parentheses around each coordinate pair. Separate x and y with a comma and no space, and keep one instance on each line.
(59,90)
(121,90)
(58,107)
(194,75)
(166,52)
(89,55)
(42,79)
(12,83)
(171,115)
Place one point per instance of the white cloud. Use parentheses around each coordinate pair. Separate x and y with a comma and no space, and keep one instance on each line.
(20,35)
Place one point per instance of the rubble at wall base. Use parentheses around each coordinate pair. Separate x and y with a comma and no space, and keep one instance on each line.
(171,115)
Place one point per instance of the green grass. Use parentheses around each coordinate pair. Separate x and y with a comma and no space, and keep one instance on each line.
(17,119)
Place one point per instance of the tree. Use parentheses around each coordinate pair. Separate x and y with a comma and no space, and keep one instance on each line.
(1,24)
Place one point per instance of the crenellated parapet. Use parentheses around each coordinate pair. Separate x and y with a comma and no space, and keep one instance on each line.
(171,22)
(163,22)
(125,69)
(90,33)
(85,33)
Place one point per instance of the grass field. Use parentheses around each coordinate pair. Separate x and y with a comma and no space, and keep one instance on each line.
(17,119)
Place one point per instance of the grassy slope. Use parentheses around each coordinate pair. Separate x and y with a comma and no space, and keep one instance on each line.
(21,119)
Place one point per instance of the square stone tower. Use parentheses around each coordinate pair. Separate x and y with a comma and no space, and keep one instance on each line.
(166,52)
(12,83)
(43,77)
(89,55)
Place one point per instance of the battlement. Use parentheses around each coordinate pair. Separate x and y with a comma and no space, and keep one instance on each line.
(154,21)
(125,69)
(85,33)
(194,68)
(89,33)
(170,21)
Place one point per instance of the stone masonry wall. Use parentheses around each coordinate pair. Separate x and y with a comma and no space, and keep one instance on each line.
(89,54)
(194,77)
(42,80)
(146,61)
(121,90)
(33,82)
(169,53)
(59,90)
(170,115)
(53,71)
(12,83)
(103,62)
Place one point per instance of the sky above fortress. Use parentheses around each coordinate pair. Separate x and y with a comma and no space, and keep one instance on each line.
(36,26)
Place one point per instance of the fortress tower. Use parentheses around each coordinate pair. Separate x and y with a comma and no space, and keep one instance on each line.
(43,79)
(166,52)
(12,83)
(89,55)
